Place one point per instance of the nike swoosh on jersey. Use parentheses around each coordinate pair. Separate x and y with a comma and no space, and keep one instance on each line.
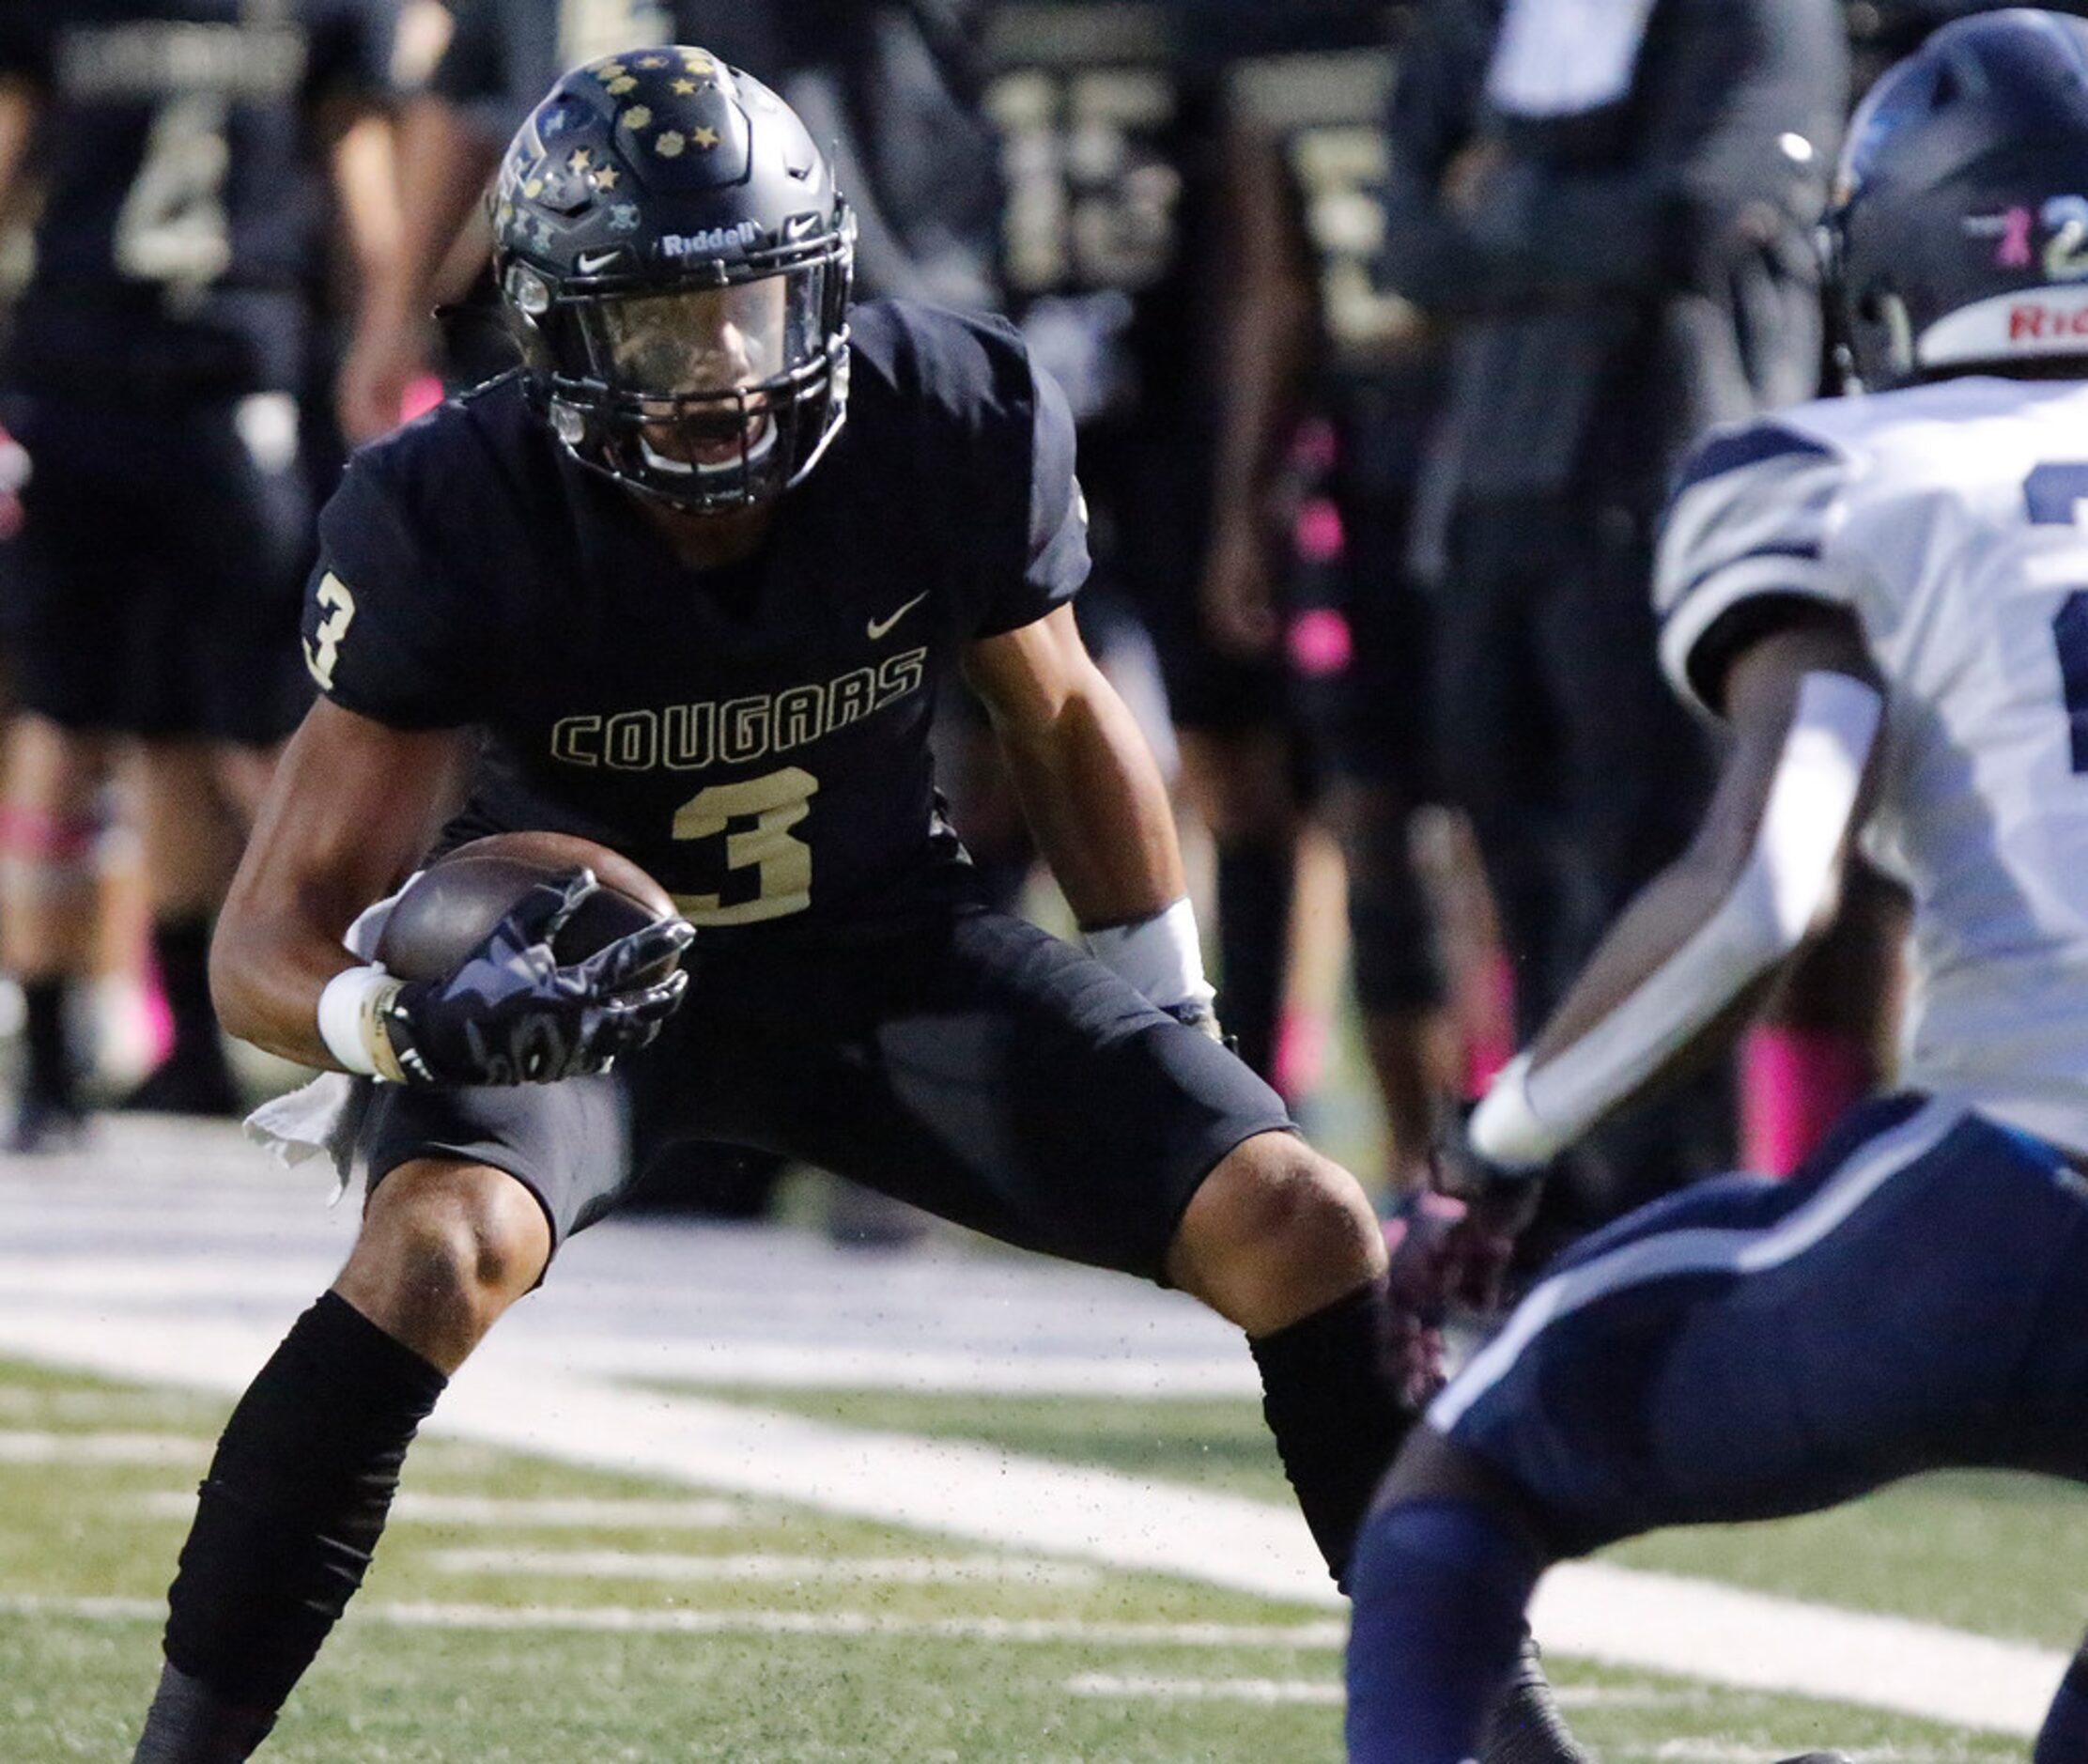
(877,627)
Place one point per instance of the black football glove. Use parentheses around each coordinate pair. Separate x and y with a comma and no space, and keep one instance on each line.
(511,1015)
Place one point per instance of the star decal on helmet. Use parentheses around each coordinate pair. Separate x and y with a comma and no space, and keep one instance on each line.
(705,138)
(610,71)
(606,179)
(683,88)
(669,143)
(636,116)
(618,87)
(651,61)
(581,159)
(697,62)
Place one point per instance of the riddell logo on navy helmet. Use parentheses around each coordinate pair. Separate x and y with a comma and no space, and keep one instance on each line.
(710,241)
(2032,322)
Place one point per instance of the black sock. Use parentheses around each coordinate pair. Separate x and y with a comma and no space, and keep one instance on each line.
(294,1504)
(181,948)
(1331,1395)
(49,1073)
(1253,942)
(190,1724)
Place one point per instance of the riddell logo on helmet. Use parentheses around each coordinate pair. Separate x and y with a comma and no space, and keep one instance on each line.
(709,241)
(2032,322)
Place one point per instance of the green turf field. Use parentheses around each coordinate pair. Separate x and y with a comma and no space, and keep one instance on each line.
(524,1611)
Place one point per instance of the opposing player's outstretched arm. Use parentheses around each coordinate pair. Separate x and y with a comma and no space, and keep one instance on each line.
(1805,707)
(353,806)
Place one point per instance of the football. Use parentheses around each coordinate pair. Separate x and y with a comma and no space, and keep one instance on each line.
(448,909)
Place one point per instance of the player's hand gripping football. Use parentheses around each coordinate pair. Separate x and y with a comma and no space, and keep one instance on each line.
(510,1014)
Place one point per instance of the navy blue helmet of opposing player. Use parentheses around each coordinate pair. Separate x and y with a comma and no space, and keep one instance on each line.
(1958,235)
(676,258)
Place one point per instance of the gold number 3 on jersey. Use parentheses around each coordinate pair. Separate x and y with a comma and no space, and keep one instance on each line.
(322,649)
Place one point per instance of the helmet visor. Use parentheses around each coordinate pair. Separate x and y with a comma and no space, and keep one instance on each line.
(709,342)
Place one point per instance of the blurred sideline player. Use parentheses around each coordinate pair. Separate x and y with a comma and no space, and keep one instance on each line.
(1881,598)
(1313,574)
(151,372)
(685,584)
(1105,119)
(1591,349)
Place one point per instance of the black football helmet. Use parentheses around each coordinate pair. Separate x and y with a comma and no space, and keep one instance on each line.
(1958,232)
(677,261)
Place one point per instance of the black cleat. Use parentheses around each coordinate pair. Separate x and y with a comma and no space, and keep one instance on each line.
(44,1126)
(1525,1726)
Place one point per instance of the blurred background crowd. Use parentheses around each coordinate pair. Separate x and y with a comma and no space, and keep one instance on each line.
(1385,327)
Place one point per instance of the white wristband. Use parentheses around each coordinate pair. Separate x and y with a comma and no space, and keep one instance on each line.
(1161,956)
(347,1015)
(1505,1129)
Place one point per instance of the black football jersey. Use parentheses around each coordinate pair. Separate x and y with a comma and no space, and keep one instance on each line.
(1318,91)
(1104,136)
(756,737)
(181,185)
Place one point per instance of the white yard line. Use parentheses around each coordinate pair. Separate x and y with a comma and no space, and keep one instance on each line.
(895,1570)
(622,1620)
(1261,1691)
(17,1446)
(1134,1687)
(568,1513)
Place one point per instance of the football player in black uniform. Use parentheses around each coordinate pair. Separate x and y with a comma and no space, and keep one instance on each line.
(181,148)
(1307,561)
(664,597)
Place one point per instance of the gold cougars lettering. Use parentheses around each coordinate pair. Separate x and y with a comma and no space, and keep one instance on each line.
(737,732)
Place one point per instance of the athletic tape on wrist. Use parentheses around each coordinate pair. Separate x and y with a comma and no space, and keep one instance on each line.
(351,1021)
(1161,956)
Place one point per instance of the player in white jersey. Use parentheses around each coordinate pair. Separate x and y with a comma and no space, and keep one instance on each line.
(1885,600)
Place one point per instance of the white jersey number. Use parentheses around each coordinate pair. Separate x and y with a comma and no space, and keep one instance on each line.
(172,227)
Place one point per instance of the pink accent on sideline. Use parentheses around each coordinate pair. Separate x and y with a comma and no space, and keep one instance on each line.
(1319,643)
(1793,1084)
(422,395)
